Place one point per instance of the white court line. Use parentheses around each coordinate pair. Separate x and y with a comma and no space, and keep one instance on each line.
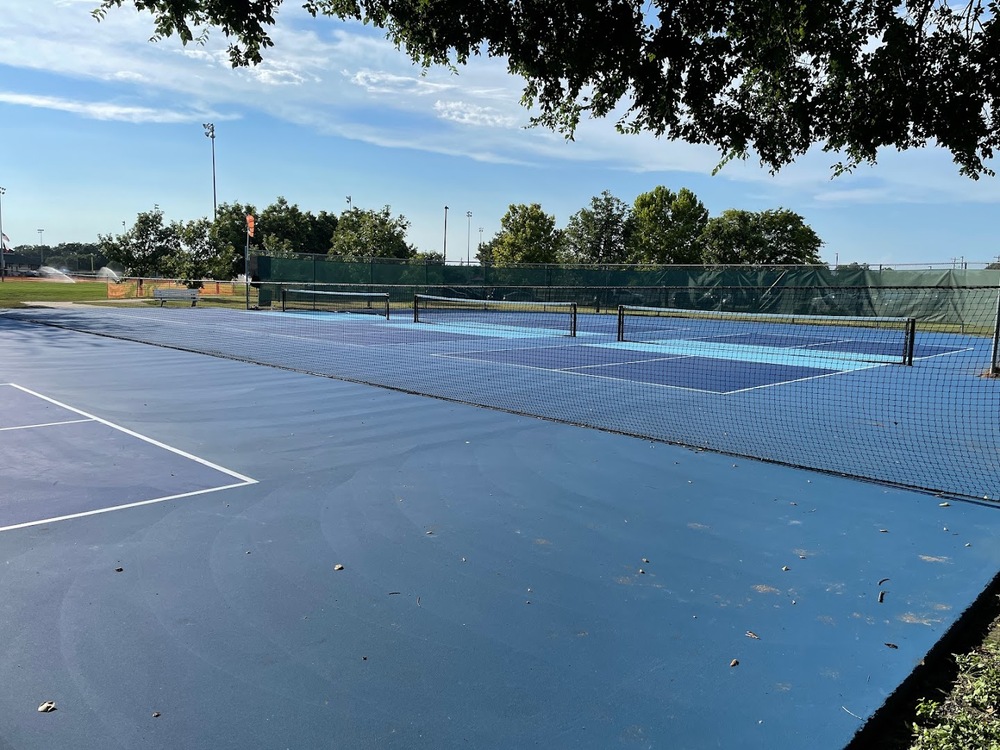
(943,354)
(46,424)
(579,370)
(98,511)
(243,480)
(802,380)
(132,433)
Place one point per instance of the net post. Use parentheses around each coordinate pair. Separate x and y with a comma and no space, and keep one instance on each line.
(284,299)
(621,322)
(386,306)
(572,322)
(911,337)
(416,308)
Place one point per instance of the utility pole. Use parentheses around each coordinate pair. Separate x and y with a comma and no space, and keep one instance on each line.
(41,252)
(444,249)
(468,240)
(210,133)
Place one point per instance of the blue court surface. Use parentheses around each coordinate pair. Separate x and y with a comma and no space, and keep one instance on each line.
(203,552)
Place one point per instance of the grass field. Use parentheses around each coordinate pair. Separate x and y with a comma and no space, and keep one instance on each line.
(958,707)
(16,292)
(22,292)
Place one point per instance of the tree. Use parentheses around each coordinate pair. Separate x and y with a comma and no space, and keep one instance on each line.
(768,237)
(229,238)
(527,235)
(362,233)
(598,234)
(321,229)
(144,249)
(485,252)
(81,257)
(197,255)
(286,229)
(667,227)
(769,76)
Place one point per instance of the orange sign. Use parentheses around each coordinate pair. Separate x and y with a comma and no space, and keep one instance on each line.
(250,225)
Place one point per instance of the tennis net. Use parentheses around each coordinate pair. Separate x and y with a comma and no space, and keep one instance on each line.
(372,303)
(779,378)
(557,316)
(880,340)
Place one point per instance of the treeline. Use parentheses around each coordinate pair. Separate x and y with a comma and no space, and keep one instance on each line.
(660,227)
(214,248)
(74,257)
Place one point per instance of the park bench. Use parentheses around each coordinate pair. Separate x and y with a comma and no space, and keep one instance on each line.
(176,294)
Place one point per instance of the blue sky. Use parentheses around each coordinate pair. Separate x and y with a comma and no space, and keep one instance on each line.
(100,124)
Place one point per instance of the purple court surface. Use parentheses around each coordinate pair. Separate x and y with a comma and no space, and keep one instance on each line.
(203,553)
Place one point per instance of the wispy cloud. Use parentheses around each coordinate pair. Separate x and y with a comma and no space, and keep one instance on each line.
(99,110)
(383,82)
(477,115)
(346,79)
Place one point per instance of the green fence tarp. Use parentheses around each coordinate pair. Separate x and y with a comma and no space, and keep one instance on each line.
(949,296)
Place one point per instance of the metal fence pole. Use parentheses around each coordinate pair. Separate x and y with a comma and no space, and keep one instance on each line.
(994,364)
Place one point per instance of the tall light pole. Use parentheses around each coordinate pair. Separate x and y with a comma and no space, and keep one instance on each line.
(210,133)
(468,240)
(444,251)
(350,204)
(479,249)
(3,244)
(41,252)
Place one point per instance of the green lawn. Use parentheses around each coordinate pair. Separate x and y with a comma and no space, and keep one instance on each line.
(15,292)
(19,292)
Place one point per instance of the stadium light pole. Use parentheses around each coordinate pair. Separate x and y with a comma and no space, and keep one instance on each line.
(210,133)
(444,250)
(479,249)
(350,204)
(3,248)
(468,240)
(41,252)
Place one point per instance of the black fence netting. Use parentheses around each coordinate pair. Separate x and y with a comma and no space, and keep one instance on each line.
(890,383)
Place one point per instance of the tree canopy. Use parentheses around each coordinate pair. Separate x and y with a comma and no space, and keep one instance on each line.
(778,237)
(598,234)
(762,77)
(527,235)
(363,233)
(667,227)
(145,248)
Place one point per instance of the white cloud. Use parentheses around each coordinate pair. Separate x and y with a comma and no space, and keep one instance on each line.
(345,79)
(98,110)
(381,82)
(465,113)
(127,76)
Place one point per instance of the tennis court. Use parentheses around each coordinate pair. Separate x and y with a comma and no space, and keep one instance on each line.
(507,581)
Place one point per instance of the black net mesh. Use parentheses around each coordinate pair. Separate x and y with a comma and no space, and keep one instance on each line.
(889,383)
